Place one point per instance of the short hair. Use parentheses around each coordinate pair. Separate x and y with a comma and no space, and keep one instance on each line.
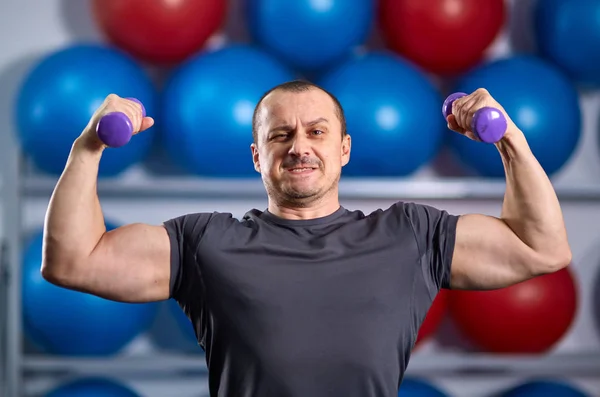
(297,86)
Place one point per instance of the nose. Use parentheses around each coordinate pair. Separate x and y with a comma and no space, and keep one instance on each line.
(300,145)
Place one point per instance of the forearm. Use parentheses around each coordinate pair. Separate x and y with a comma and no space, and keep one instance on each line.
(531,208)
(74,220)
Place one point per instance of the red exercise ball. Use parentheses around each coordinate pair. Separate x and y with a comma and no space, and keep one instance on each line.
(160,31)
(446,37)
(434,317)
(529,317)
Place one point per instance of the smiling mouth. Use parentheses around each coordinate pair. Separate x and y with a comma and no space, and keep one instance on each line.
(300,170)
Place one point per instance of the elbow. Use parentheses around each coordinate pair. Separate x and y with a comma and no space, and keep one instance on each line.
(554,261)
(561,258)
(564,260)
(58,270)
(63,265)
(51,269)
(53,274)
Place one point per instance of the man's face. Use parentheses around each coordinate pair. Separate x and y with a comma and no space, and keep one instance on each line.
(299,150)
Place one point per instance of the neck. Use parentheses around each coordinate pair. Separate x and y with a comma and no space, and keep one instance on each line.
(292,211)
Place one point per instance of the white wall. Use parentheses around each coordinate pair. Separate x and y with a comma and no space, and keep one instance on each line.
(31,27)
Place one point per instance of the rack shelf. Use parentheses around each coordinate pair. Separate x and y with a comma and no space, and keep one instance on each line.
(580,364)
(156,364)
(383,188)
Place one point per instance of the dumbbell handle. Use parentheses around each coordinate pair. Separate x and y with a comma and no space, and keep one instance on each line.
(489,124)
(115,129)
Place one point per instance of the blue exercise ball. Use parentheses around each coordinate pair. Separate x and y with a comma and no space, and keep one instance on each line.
(61,93)
(418,388)
(540,100)
(568,33)
(392,113)
(208,105)
(544,389)
(92,387)
(67,322)
(308,34)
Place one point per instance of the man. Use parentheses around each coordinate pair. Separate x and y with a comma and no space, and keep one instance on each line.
(305,298)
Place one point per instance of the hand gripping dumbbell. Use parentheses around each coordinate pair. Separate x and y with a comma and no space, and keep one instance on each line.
(115,129)
(489,124)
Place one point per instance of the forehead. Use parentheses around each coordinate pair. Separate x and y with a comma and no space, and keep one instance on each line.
(285,106)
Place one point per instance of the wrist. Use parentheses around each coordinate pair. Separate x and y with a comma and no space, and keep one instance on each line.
(513,144)
(87,144)
(84,147)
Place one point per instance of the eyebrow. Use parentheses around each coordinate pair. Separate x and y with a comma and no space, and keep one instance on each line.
(317,121)
(287,127)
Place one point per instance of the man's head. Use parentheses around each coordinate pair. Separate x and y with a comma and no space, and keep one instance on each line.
(300,142)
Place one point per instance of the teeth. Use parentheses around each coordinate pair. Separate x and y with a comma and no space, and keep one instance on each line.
(301,169)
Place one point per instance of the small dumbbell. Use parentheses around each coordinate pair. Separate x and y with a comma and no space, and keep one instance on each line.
(115,129)
(489,124)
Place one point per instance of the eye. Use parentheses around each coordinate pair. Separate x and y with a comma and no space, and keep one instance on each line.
(318,132)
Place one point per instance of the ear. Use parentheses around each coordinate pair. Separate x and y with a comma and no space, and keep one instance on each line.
(346,145)
(254,150)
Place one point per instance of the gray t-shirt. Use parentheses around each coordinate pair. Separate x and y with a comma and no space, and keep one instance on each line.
(322,307)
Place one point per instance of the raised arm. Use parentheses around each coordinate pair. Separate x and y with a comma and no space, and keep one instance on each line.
(529,238)
(129,264)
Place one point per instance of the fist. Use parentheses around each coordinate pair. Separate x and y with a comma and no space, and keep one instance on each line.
(464,108)
(114,103)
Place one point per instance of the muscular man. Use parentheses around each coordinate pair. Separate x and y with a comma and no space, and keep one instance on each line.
(304,298)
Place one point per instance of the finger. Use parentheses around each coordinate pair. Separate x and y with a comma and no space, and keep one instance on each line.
(147,122)
(457,111)
(138,108)
(465,113)
(132,111)
(471,135)
(136,112)
(470,113)
(452,123)
(458,130)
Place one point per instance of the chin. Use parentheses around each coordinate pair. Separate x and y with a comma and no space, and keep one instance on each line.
(298,195)
(290,192)
(299,192)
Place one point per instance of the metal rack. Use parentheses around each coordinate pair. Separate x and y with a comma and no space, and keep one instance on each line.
(16,189)
(350,189)
(585,364)
(10,265)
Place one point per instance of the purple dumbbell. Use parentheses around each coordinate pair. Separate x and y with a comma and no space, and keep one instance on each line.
(115,129)
(489,124)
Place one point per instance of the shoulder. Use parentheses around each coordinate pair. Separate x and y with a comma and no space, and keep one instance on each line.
(424,221)
(402,213)
(420,215)
(193,221)
(193,226)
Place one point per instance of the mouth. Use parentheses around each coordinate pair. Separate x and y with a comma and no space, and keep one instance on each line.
(301,170)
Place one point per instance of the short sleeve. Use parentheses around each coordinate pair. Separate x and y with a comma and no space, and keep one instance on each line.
(185,233)
(435,232)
